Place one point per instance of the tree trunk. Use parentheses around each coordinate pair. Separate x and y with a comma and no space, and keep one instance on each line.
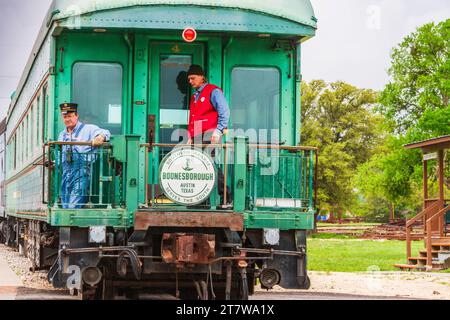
(331,216)
(392,212)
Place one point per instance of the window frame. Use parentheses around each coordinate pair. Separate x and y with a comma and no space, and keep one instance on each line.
(280,83)
(124,114)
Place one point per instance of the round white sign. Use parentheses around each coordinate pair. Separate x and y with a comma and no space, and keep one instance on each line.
(187,176)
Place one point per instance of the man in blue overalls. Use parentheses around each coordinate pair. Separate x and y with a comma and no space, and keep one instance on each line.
(77,160)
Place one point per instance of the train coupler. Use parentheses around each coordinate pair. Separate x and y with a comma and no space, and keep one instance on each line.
(183,248)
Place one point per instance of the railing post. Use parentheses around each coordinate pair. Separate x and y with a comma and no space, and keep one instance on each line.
(441,191)
(152,175)
(240,173)
(146,176)
(315,178)
(100,177)
(429,244)
(57,175)
(305,175)
(126,150)
(253,158)
(408,243)
(132,173)
(311,178)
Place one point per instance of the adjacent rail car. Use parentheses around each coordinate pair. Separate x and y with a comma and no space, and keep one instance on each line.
(153,219)
(2,178)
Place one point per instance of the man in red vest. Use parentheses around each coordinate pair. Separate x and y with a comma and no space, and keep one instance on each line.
(209,114)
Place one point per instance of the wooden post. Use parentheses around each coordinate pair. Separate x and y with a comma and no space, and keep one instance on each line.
(425,183)
(425,196)
(408,243)
(441,190)
(429,246)
(441,174)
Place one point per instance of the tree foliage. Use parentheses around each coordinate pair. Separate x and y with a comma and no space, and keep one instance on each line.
(417,98)
(416,106)
(337,118)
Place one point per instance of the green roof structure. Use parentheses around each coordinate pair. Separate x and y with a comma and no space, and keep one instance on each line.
(300,11)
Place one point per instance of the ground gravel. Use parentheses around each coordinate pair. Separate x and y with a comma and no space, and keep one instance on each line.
(21,266)
(416,285)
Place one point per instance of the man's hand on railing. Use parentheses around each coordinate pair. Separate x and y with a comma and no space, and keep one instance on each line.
(216,137)
(98,140)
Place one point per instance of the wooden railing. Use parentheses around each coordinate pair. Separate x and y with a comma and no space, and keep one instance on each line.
(438,215)
(422,215)
(435,211)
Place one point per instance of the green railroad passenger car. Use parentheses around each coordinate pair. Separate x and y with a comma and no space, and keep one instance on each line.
(123,62)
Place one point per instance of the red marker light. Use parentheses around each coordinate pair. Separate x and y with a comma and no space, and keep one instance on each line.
(189,35)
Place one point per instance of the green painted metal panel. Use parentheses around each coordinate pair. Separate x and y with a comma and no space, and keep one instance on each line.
(202,19)
(214,61)
(140,103)
(132,174)
(90,217)
(240,173)
(119,150)
(300,11)
(282,220)
(12,213)
(298,83)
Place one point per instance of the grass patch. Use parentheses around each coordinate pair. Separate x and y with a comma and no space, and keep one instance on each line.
(354,255)
(331,236)
(337,225)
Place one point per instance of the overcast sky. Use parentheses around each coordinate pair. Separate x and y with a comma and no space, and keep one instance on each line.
(353,42)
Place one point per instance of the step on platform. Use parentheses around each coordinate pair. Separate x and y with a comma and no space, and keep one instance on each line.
(410,267)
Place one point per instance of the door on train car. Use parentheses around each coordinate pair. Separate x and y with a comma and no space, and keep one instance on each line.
(170,93)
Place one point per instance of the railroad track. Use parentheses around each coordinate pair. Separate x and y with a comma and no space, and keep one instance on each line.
(23,293)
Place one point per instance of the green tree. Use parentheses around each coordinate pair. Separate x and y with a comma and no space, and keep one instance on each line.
(338,118)
(416,101)
(416,106)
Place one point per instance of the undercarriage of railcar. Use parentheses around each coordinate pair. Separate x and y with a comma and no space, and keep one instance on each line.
(188,263)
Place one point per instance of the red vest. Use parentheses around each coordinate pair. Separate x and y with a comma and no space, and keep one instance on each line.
(202,116)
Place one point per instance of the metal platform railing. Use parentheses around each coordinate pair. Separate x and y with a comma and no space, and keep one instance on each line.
(282,177)
(154,194)
(267,176)
(81,176)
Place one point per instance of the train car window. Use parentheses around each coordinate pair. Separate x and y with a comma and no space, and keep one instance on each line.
(38,111)
(27,137)
(15,152)
(97,88)
(43,115)
(32,124)
(255,103)
(22,144)
(174,95)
